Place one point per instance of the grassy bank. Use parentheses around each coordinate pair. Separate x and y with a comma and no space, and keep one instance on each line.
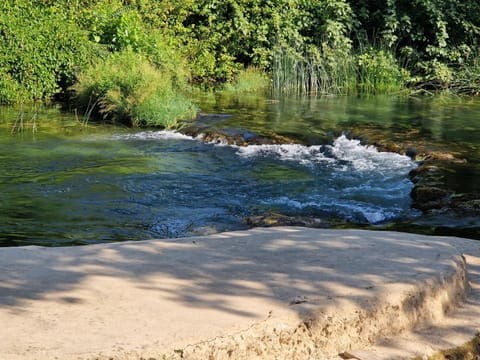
(126,88)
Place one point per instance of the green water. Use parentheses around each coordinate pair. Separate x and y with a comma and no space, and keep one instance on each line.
(439,120)
(435,124)
(64,182)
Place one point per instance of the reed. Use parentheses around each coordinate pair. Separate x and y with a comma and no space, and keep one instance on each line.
(371,71)
(311,73)
(27,116)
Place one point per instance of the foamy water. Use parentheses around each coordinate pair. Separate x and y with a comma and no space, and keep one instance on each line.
(161,184)
(347,154)
(347,179)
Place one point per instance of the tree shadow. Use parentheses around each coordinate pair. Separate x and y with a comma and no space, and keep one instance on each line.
(242,276)
(279,264)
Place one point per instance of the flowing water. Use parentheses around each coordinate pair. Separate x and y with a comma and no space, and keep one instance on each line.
(64,183)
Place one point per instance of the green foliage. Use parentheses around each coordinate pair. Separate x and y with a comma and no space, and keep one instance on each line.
(113,24)
(41,50)
(163,109)
(320,60)
(224,36)
(435,36)
(467,77)
(162,53)
(127,88)
(250,79)
(379,72)
(372,71)
(312,72)
(10,90)
(306,45)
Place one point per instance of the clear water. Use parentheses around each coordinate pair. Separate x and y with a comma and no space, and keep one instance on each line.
(160,184)
(65,184)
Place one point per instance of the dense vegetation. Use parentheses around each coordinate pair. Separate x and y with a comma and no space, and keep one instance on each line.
(134,60)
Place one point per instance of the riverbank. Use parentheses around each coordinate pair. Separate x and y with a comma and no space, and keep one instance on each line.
(293,292)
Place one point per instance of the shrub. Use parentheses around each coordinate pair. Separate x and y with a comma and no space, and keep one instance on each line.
(379,72)
(41,49)
(113,24)
(159,50)
(127,88)
(10,89)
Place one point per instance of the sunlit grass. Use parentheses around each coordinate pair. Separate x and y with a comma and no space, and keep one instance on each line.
(127,88)
(251,79)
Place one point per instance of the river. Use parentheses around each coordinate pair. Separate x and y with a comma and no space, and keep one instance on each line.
(67,183)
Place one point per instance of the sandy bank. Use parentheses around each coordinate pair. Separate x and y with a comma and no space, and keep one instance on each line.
(276,293)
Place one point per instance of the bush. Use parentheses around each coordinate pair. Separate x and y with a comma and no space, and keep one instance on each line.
(128,89)
(113,24)
(158,49)
(379,72)
(439,37)
(41,49)
(10,89)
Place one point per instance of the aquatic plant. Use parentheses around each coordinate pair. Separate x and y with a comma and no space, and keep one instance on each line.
(371,71)
(312,73)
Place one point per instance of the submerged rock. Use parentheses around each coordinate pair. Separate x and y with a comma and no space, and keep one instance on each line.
(436,179)
(444,157)
(424,170)
(468,205)
(432,191)
(239,137)
(430,197)
(276,219)
(214,128)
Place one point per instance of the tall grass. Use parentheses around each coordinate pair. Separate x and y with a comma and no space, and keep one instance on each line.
(251,79)
(127,88)
(371,71)
(311,73)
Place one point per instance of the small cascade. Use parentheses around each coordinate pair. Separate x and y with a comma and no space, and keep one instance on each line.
(162,184)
